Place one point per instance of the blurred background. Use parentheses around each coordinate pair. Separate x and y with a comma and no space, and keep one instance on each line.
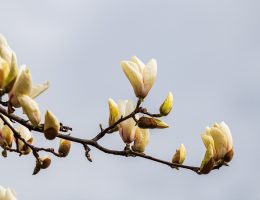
(208,55)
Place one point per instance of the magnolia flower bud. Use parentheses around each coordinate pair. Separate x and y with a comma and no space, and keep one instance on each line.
(7,194)
(6,134)
(148,122)
(127,127)
(45,162)
(180,155)
(64,147)
(221,141)
(27,136)
(51,125)
(141,77)
(30,108)
(166,106)
(141,139)
(113,111)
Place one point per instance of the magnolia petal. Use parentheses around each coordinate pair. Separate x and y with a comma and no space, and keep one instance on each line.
(224,127)
(10,79)
(3,41)
(141,139)
(122,106)
(38,89)
(10,195)
(30,108)
(139,63)
(2,189)
(27,136)
(129,107)
(208,161)
(4,71)
(6,53)
(134,76)
(22,86)
(220,141)
(114,114)
(207,140)
(149,76)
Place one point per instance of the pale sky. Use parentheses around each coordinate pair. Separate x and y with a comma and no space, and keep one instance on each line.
(208,55)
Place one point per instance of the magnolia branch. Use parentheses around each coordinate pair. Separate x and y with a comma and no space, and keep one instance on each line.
(127,152)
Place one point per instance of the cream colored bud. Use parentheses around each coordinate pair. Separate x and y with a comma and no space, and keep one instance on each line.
(127,127)
(114,114)
(141,139)
(166,106)
(180,155)
(30,108)
(141,77)
(150,122)
(222,141)
(27,136)
(51,125)
(6,134)
(64,147)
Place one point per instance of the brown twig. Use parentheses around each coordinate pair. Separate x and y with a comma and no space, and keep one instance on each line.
(94,142)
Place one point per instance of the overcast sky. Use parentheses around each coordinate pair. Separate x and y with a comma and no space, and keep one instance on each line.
(208,55)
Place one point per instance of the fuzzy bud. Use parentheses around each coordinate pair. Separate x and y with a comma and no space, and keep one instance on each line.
(180,155)
(45,162)
(151,123)
(64,147)
(51,125)
(166,106)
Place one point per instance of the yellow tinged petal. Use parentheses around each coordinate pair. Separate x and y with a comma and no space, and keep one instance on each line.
(149,76)
(208,161)
(180,155)
(134,76)
(4,70)
(38,89)
(10,79)
(141,140)
(22,86)
(30,108)
(114,114)
(139,63)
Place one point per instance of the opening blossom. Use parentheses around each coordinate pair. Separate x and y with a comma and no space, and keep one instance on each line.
(23,92)
(128,127)
(141,76)
(8,65)
(219,146)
